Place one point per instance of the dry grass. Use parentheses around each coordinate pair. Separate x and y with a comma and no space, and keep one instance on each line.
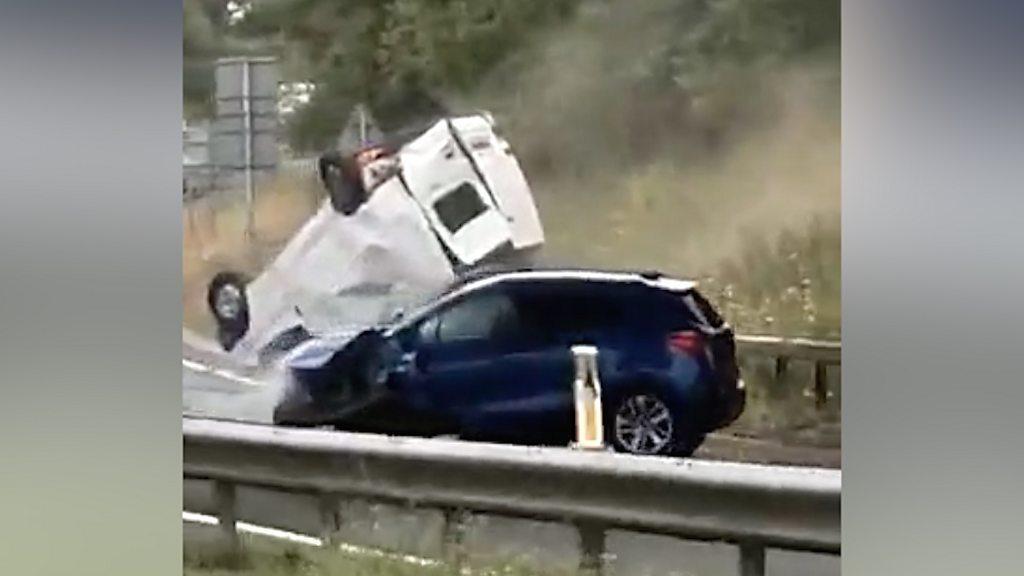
(213,235)
(265,557)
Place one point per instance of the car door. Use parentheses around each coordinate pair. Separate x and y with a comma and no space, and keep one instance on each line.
(556,316)
(518,385)
(536,367)
(457,353)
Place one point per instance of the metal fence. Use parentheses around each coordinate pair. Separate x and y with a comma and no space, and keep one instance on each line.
(753,507)
(821,354)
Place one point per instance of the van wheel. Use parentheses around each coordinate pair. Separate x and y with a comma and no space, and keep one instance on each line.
(344,186)
(229,306)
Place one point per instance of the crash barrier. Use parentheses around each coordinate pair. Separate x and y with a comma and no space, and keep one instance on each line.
(753,507)
(821,353)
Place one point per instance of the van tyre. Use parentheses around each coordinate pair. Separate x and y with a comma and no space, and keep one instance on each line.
(341,178)
(229,305)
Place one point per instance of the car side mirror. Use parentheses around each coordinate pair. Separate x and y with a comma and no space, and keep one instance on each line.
(410,336)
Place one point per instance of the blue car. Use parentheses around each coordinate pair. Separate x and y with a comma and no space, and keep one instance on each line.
(490,360)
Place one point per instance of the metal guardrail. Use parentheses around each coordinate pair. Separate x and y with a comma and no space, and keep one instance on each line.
(754,507)
(829,352)
(822,353)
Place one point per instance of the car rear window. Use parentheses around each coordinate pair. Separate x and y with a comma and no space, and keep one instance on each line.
(459,206)
(679,309)
(696,301)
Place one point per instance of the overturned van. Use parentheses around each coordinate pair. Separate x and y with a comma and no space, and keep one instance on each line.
(402,222)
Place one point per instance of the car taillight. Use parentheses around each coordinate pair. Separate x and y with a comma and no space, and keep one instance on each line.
(688,342)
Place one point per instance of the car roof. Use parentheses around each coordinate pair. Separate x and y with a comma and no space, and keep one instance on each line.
(482,280)
(652,279)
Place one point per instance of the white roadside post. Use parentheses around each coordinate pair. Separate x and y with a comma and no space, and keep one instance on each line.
(587,394)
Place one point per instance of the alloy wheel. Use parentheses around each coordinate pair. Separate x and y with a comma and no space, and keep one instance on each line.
(643,425)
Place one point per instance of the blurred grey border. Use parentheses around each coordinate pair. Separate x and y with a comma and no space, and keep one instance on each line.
(933,270)
(90,246)
(90,445)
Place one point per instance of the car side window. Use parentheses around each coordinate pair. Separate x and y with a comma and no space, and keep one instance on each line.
(483,316)
(570,311)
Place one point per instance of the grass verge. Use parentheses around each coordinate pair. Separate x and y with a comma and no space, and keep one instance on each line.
(267,557)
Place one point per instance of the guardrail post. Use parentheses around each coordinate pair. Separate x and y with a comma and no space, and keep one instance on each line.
(592,547)
(752,557)
(454,537)
(225,500)
(330,519)
(781,367)
(820,384)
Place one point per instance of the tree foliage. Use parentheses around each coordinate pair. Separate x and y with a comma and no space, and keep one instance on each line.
(407,59)
(397,56)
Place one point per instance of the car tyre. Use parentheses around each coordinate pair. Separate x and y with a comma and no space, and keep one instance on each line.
(343,182)
(644,423)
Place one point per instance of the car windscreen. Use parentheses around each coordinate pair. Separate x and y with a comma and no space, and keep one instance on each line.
(459,206)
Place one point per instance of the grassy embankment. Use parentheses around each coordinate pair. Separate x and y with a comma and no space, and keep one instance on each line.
(266,557)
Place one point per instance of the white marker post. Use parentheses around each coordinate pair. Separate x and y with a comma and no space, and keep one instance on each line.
(587,393)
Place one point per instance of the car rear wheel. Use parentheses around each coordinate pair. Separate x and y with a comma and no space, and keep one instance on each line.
(642,423)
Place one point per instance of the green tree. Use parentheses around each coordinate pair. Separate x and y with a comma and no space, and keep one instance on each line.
(397,56)
(206,36)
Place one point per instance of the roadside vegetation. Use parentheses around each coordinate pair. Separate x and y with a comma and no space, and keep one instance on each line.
(263,557)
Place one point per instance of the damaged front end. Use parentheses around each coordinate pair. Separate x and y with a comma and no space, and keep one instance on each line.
(332,380)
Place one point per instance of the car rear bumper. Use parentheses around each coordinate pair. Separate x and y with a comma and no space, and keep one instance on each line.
(731,404)
(730,390)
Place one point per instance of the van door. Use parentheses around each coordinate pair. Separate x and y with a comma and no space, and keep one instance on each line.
(456,202)
(501,171)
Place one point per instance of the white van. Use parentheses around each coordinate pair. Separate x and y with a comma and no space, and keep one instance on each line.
(411,219)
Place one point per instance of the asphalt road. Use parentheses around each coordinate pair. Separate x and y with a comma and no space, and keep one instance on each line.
(210,395)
